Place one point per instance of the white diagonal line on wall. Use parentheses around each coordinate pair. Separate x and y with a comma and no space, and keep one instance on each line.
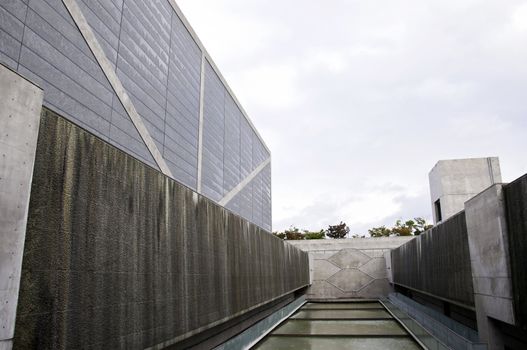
(229,196)
(107,68)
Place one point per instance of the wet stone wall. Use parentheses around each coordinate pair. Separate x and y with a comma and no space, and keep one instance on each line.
(437,263)
(516,203)
(117,255)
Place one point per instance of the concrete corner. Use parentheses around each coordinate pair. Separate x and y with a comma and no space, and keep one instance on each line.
(489,254)
(21,103)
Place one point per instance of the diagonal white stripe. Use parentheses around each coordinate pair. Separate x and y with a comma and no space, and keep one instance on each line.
(107,68)
(229,196)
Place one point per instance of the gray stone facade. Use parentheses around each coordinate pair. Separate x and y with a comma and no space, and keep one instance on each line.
(135,74)
(349,268)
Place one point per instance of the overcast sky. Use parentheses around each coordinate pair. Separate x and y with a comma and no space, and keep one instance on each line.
(358,99)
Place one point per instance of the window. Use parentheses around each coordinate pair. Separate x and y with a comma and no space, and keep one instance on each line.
(437,206)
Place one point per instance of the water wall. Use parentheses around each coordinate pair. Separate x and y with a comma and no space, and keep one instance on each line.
(437,263)
(118,255)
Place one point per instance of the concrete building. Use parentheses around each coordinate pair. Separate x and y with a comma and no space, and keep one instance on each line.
(135,74)
(453,182)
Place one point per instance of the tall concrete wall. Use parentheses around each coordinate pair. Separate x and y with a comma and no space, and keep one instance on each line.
(489,256)
(437,263)
(118,255)
(134,73)
(349,268)
(516,206)
(20,105)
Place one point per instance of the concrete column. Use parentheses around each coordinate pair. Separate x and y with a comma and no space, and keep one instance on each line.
(489,255)
(20,106)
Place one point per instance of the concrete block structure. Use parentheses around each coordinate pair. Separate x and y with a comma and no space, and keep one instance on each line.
(20,105)
(349,268)
(470,268)
(453,182)
(135,74)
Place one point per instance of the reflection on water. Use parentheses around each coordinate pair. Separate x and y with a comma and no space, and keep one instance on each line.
(350,325)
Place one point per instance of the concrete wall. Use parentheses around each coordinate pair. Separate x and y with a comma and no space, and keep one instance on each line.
(516,205)
(349,268)
(453,182)
(118,255)
(20,105)
(489,252)
(437,263)
(135,74)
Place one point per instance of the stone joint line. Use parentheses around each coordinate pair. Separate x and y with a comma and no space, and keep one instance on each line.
(104,63)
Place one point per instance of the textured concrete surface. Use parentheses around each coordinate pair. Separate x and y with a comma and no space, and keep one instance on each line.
(453,182)
(437,263)
(516,205)
(20,102)
(489,252)
(118,255)
(349,268)
(157,78)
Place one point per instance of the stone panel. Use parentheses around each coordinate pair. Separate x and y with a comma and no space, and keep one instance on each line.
(375,268)
(349,258)
(350,280)
(323,269)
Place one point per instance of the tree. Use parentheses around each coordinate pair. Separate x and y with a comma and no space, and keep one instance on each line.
(404,229)
(280,235)
(293,234)
(338,231)
(421,226)
(381,231)
(314,235)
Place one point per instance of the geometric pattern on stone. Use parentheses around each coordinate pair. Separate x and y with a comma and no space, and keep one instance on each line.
(323,269)
(374,253)
(349,280)
(376,268)
(376,289)
(326,289)
(349,258)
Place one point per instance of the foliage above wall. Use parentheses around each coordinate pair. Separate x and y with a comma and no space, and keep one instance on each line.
(401,228)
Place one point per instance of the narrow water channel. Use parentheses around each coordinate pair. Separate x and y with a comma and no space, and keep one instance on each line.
(350,325)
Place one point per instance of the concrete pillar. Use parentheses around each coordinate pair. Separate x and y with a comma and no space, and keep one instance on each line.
(20,106)
(489,255)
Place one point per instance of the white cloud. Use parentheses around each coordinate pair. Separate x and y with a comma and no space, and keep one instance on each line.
(350,95)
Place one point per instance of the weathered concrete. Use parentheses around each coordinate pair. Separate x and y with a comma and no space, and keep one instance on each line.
(437,263)
(489,257)
(20,105)
(516,204)
(120,256)
(453,182)
(349,268)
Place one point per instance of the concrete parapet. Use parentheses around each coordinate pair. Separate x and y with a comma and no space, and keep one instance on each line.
(349,268)
(20,106)
(489,257)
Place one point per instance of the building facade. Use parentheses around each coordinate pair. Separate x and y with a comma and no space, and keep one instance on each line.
(135,74)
